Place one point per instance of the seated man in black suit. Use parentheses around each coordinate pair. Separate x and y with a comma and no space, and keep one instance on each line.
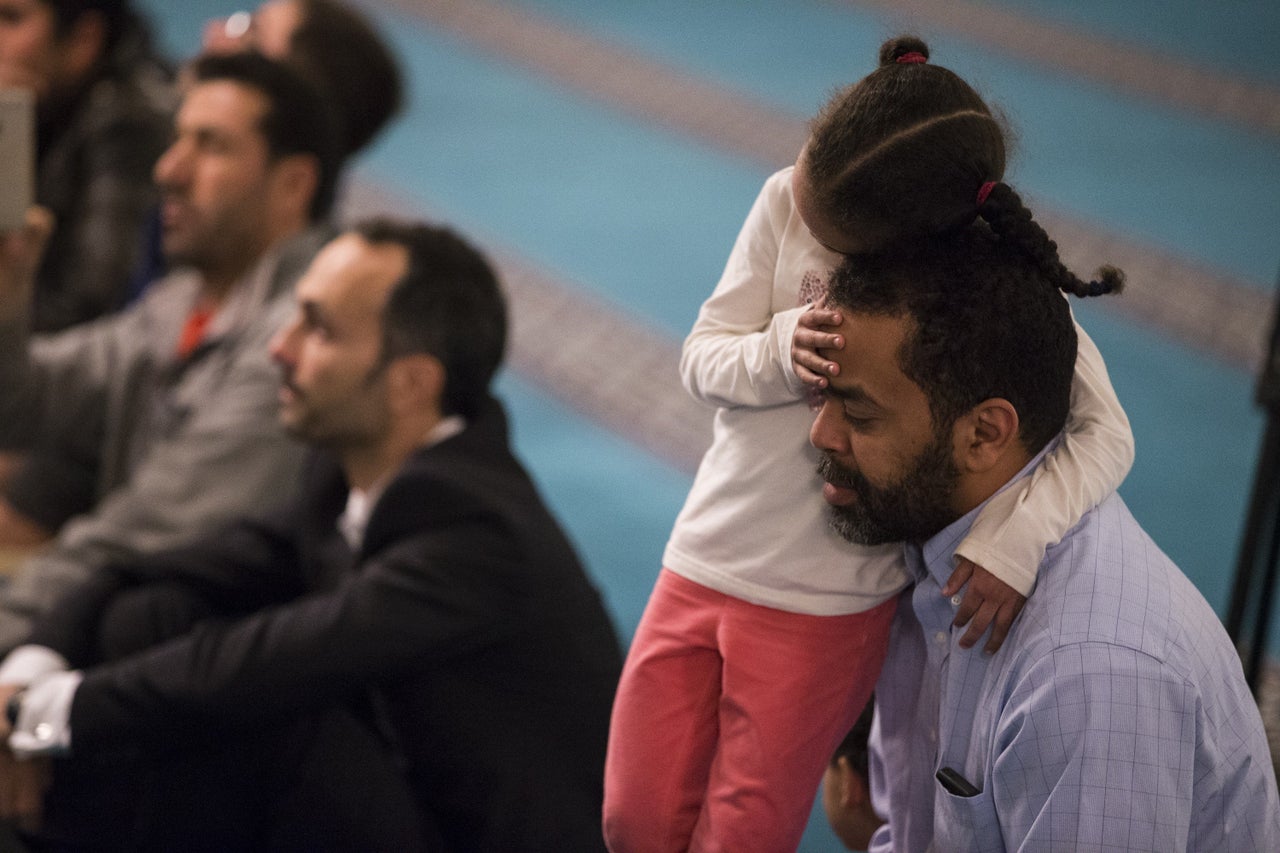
(410,657)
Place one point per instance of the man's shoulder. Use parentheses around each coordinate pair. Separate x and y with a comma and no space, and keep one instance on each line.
(473,459)
(474,471)
(135,80)
(141,99)
(1108,583)
(472,481)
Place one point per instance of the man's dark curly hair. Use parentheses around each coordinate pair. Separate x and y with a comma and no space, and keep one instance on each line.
(986,321)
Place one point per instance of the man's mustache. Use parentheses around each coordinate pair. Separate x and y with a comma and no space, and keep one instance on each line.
(835,473)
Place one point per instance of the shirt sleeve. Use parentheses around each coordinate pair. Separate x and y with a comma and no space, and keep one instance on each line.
(1011,533)
(226,457)
(49,381)
(739,351)
(419,600)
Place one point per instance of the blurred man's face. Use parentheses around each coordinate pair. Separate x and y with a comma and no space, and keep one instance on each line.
(215,179)
(333,378)
(32,55)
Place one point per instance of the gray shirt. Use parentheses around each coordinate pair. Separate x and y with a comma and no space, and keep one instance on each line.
(179,445)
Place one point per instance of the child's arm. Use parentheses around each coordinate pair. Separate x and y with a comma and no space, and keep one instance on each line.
(739,351)
(1009,537)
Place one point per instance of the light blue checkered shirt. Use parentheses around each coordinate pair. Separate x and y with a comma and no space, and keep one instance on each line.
(1115,717)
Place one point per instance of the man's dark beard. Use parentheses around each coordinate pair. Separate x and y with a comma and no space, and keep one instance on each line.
(912,509)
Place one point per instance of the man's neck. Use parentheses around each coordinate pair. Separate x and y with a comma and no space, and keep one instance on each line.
(368,465)
(219,281)
(214,290)
(972,490)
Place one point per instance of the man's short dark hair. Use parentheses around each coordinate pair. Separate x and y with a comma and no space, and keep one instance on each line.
(985,322)
(116,15)
(297,121)
(341,51)
(448,305)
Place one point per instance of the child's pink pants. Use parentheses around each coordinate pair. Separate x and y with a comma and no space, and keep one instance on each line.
(726,717)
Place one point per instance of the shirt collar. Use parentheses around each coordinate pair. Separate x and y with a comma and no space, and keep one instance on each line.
(360,502)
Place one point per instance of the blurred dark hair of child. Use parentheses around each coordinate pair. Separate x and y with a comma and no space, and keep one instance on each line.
(846,787)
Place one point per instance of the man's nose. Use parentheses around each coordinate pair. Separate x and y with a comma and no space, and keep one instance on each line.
(824,434)
(173,167)
(281,346)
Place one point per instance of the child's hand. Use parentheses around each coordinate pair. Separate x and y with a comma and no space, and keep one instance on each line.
(812,368)
(988,601)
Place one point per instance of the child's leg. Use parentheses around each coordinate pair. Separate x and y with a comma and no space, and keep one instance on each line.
(664,728)
(793,685)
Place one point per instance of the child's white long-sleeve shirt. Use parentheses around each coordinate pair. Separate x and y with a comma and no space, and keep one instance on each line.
(754,525)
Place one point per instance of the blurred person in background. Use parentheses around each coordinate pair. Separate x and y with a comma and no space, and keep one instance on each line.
(104,102)
(333,45)
(169,406)
(846,786)
(103,109)
(408,657)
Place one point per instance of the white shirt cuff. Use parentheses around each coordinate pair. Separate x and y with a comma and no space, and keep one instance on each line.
(43,721)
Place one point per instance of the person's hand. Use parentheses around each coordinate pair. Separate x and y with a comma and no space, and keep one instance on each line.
(20,252)
(23,781)
(988,602)
(812,335)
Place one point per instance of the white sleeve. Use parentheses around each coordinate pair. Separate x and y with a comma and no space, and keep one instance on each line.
(25,664)
(739,351)
(1011,533)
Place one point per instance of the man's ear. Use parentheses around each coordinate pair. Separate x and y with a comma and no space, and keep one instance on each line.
(985,434)
(416,382)
(296,178)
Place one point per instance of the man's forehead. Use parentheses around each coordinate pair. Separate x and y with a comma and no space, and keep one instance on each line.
(869,361)
(223,102)
(870,336)
(349,269)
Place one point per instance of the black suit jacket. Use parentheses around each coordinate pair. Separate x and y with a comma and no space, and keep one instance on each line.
(466,619)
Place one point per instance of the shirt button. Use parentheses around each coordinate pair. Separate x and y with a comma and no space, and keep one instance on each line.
(955,600)
(44,731)
(940,638)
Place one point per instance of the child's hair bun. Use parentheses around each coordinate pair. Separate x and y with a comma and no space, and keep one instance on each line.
(894,48)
